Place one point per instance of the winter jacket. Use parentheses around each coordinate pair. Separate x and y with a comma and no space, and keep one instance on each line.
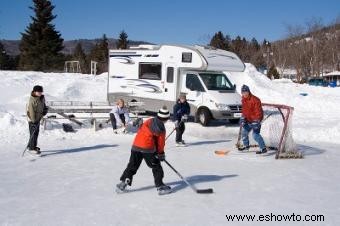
(116,110)
(36,108)
(181,109)
(252,108)
(150,137)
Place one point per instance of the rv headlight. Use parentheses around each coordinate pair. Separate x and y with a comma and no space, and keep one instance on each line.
(224,107)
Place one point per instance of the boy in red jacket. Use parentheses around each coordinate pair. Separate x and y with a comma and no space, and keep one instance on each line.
(252,115)
(148,145)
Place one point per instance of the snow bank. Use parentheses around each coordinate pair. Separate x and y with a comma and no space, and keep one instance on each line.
(316,116)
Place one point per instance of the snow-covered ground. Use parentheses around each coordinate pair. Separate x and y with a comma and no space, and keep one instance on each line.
(73,183)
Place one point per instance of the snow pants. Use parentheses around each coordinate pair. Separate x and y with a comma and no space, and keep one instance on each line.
(179,131)
(34,133)
(136,159)
(114,120)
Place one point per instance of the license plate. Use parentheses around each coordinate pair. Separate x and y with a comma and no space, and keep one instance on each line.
(237,115)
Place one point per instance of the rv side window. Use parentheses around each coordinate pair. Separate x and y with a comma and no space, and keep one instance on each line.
(170,75)
(152,71)
(186,57)
(193,83)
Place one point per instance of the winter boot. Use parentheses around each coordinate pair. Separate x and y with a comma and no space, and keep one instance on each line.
(264,150)
(121,187)
(164,189)
(37,150)
(180,144)
(243,148)
(34,151)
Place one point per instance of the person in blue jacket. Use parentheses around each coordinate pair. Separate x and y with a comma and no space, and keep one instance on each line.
(181,112)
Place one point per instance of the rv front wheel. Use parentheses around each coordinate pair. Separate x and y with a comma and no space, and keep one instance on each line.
(203,117)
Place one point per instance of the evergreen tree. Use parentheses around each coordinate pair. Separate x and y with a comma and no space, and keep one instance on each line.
(273,73)
(100,54)
(123,40)
(41,44)
(254,45)
(78,54)
(237,46)
(5,60)
(219,41)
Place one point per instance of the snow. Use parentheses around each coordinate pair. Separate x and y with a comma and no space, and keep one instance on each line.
(73,183)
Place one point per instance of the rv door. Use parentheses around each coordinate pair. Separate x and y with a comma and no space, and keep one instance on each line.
(192,86)
(170,81)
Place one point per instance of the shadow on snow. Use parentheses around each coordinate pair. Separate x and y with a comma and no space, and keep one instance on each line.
(179,185)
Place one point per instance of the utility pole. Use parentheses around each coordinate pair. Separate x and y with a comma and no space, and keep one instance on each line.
(267,55)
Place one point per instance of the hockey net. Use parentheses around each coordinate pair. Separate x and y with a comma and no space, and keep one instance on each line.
(276,130)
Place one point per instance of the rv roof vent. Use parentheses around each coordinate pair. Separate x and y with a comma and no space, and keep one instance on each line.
(145,47)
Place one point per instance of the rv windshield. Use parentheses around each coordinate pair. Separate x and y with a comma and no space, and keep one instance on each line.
(216,81)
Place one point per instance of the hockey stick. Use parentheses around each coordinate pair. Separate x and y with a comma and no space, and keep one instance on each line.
(200,191)
(173,130)
(170,134)
(29,141)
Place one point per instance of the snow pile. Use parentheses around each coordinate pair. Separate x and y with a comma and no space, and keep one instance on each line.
(316,116)
(17,85)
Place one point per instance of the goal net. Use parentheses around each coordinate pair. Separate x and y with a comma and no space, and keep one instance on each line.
(276,130)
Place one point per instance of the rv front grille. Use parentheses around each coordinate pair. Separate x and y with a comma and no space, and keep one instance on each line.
(235,107)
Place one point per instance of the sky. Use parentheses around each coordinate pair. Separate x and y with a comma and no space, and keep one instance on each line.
(170,21)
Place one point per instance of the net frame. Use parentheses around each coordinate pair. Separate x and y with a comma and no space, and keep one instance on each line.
(285,145)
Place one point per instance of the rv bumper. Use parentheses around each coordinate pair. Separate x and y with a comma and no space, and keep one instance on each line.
(226,114)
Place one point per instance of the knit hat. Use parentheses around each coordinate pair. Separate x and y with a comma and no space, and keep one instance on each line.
(163,113)
(38,88)
(182,95)
(245,88)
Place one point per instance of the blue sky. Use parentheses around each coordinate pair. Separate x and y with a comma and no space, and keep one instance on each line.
(170,21)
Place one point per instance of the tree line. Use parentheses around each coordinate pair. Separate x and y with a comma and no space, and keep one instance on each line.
(41,45)
(311,50)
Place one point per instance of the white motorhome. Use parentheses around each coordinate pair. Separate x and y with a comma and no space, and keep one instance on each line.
(157,74)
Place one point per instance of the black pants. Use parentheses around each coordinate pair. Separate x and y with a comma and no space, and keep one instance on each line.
(34,133)
(180,131)
(114,120)
(136,158)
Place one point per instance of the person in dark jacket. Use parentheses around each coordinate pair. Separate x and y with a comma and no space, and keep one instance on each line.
(36,109)
(252,115)
(149,145)
(181,112)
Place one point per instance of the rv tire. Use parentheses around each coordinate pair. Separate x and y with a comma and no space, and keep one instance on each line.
(203,116)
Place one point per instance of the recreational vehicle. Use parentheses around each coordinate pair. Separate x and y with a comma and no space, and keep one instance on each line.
(157,74)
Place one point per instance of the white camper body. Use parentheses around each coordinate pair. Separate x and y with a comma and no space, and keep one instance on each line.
(157,74)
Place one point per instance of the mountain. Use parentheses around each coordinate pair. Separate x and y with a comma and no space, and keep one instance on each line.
(12,46)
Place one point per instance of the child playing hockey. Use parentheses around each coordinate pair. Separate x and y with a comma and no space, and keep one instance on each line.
(148,145)
(180,114)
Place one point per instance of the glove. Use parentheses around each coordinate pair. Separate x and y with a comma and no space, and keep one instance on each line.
(255,123)
(243,121)
(160,157)
(176,124)
(184,118)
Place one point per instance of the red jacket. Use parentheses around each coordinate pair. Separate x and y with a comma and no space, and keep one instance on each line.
(252,108)
(150,137)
